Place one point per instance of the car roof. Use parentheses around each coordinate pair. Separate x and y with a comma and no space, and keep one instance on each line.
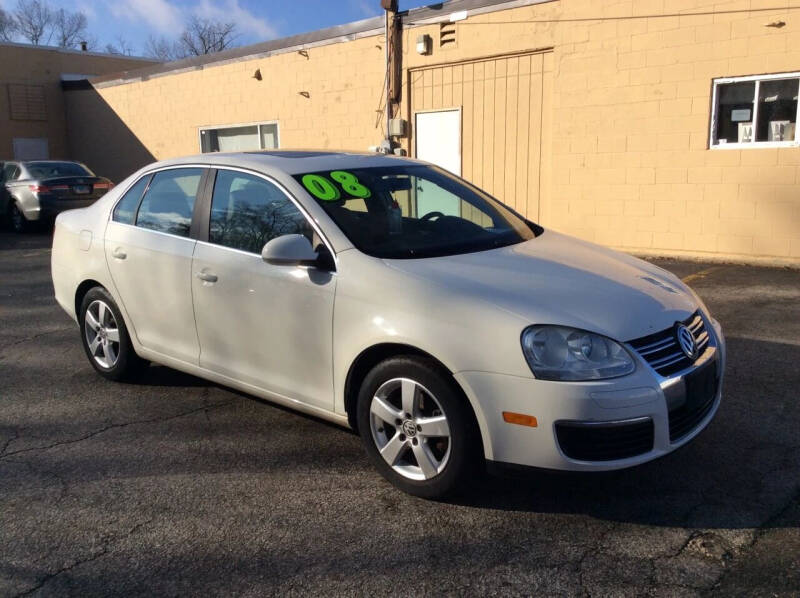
(292,161)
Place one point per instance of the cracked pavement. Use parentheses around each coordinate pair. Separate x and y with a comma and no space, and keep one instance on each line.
(176,486)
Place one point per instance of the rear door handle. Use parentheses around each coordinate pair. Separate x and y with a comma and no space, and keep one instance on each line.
(119,254)
(206,276)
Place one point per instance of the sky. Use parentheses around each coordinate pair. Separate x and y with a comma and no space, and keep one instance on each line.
(256,20)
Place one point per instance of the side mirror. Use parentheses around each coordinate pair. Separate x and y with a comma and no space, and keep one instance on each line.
(289,250)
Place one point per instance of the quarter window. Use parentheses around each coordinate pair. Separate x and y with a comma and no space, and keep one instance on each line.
(239,139)
(755,111)
(248,211)
(10,172)
(125,210)
(169,201)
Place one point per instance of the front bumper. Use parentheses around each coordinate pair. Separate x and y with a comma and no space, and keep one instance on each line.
(611,408)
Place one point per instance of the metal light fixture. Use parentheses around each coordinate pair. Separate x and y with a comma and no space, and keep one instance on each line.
(424,43)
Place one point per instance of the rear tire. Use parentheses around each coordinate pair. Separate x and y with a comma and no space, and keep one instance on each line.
(418,428)
(105,338)
(16,219)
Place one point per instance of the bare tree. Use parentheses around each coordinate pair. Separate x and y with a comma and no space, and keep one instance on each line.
(69,28)
(199,37)
(8,26)
(204,36)
(162,49)
(34,20)
(121,47)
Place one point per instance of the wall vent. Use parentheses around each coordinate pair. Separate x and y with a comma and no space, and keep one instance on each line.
(447,35)
(26,102)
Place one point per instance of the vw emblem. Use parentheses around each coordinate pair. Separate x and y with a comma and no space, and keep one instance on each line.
(686,341)
(409,428)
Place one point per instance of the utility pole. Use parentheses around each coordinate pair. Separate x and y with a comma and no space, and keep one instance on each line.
(392,55)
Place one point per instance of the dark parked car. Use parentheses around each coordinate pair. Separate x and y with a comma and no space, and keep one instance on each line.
(39,190)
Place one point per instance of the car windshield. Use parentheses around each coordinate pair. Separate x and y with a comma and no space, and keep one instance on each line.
(413,211)
(49,170)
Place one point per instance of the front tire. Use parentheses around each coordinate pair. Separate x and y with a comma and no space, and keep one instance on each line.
(418,428)
(105,338)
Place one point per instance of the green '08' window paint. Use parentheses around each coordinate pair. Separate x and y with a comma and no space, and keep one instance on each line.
(325,189)
(320,187)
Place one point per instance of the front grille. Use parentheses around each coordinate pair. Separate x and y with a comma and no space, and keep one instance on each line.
(605,441)
(662,352)
(701,390)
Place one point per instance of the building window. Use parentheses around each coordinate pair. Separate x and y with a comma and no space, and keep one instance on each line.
(755,111)
(239,138)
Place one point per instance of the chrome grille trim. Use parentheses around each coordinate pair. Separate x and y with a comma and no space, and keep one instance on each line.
(662,352)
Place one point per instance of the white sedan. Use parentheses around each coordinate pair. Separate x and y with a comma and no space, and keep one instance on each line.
(388,295)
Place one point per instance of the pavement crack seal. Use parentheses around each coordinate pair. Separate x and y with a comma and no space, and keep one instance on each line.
(114,426)
(104,550)
(8,442)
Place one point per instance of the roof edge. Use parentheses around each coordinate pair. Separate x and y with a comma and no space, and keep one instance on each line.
(61,50)
(330,35)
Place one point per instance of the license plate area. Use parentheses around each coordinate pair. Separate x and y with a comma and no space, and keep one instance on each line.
(81,189)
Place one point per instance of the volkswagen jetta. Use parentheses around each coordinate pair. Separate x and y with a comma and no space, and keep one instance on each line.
(391,296)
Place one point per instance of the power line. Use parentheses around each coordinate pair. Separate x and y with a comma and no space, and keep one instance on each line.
(630,17)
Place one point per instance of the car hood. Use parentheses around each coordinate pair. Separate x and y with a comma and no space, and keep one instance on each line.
(557,279)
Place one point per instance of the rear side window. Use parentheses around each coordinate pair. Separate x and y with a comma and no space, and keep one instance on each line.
(168,204)
(125,210)
(10,172)
(248,211)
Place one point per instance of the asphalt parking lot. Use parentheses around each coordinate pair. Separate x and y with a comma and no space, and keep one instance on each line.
(176,486)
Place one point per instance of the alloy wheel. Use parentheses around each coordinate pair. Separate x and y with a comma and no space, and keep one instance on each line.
(410,429)
(102,334)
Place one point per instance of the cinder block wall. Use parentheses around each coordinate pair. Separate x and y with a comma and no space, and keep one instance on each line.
(631,164)
(624,160)
(43,66)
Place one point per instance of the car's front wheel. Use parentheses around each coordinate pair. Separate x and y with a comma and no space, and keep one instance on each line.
(418,428)
(105,337)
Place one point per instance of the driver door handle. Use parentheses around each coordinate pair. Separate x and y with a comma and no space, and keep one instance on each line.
(206,276)
(119,254)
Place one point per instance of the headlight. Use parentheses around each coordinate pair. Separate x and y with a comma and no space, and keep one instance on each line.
(560,353)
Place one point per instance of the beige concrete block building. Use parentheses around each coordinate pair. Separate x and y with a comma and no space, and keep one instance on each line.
(655,126)
(33,120)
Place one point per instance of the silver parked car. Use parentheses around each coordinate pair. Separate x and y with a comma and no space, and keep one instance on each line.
(388,295)
(39,190)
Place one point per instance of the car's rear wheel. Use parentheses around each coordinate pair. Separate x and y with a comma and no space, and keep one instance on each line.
(105,337)
(417,427)
(16,218)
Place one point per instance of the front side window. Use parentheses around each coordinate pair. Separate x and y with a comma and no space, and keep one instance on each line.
(753,111)
(413,211)
(168,204)
(240,138)
(248,211)
(125,210)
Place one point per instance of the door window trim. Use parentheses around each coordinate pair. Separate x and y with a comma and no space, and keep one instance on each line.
(207,210)
(201,188)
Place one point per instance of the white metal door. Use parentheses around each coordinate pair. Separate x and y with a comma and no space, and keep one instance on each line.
(438,137)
